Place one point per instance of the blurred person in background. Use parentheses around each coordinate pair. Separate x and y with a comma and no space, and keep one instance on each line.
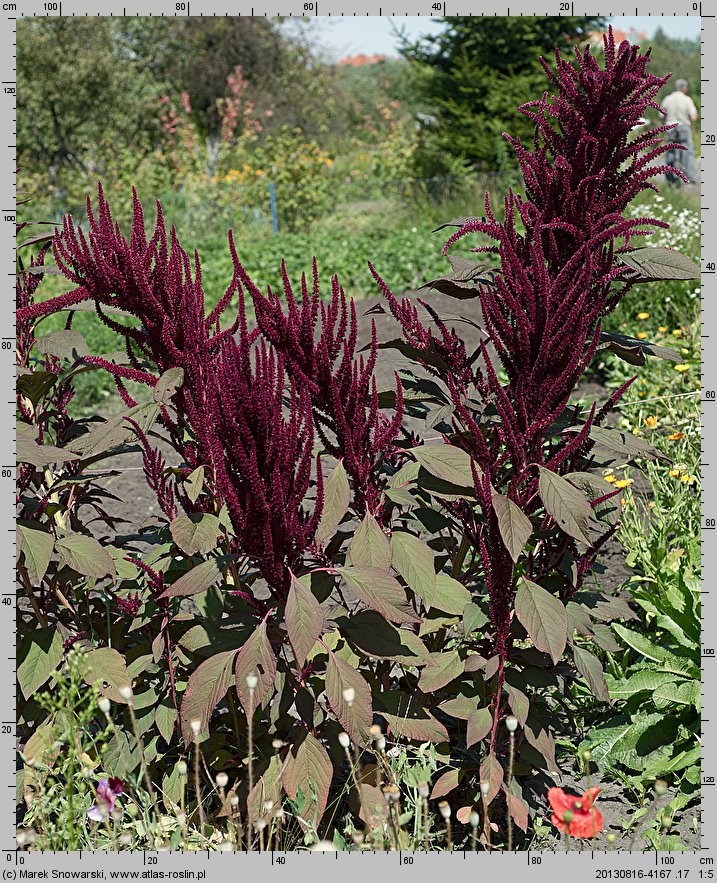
(679,109)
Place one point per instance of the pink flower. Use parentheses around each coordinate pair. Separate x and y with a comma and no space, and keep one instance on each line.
(107,794)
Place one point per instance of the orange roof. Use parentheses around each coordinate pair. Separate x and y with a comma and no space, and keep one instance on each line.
(360,60)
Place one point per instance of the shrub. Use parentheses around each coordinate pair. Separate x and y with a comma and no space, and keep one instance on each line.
(428,591)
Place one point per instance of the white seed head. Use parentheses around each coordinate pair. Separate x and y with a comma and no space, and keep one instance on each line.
(485,788)
(474,819)
(394,793)
(661,787)
(381,744)
(349,695)
(277,744)
(233,801)
(116,813)
(267,807)
(196,726)
(125,838)
(252,681)
(424,789)
(104,704)
(182,769)
(358,837)
(260,824)
(323,846)
(375,732)
(226,846)
(511,723)
(181,819)
(126,692)
(222,780)
(344,740)
(21,837)
(279,814)
(444,808)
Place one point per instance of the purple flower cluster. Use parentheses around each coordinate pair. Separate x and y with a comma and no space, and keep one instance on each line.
(254,403)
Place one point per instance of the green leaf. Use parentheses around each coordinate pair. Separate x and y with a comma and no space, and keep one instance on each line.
(34,385)
(194,483)
(685,693)
(309,769)
(380,591)
(641,682)
(450,597)
(356,717)
(441,669)
(567,505)
(64,344)
(473,618)
(170,381)
(39,655)
(446,462)
(107,668)
(85,555)
(514,525)
(267,788)
(625,444)
(370,547)
(590,668)
(461,707)
(207,686)
(165,716)
(36,545)
(337,496)
(196,580)
(256,657)
(413,559)
(543,617)
(370,632)
(480,724)
(668,661)
(651,263)
(304,620)
(196,534)
(408,719)
(491,772)
(116,431)
(519,703)
(39,456)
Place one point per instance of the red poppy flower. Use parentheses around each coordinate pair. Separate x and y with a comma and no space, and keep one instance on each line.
(586,821)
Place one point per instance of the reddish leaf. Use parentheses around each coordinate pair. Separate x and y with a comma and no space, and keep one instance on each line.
(464,814)
(304,620)
(255,657)
(207,687)
(442,668)
(519,703)
(370,547)
(309,768)
(491,772)
(514,525)
(544,618)
(380,591)
(479,725)
(445,784)
(356,718)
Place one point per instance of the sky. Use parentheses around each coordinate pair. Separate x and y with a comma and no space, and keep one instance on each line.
(349,35)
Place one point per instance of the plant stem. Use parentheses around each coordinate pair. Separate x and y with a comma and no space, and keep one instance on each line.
(250,750)
(510,781)
(197,788)
(143,762)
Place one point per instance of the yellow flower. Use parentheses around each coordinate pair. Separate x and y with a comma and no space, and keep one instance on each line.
(677,332)
(684,350)
(651,421)
(643,315)
(624,482)
(651,505)
(610,478)
(662,328)
(641,335)
(682,368)
(688,479)
(676,436)
(675,473)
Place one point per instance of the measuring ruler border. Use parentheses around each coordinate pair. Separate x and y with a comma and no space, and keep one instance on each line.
(618,864)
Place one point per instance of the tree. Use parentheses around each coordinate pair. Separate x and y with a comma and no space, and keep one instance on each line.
(481,69)
(76,91)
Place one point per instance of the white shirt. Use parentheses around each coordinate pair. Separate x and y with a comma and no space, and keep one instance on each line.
(679,108)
